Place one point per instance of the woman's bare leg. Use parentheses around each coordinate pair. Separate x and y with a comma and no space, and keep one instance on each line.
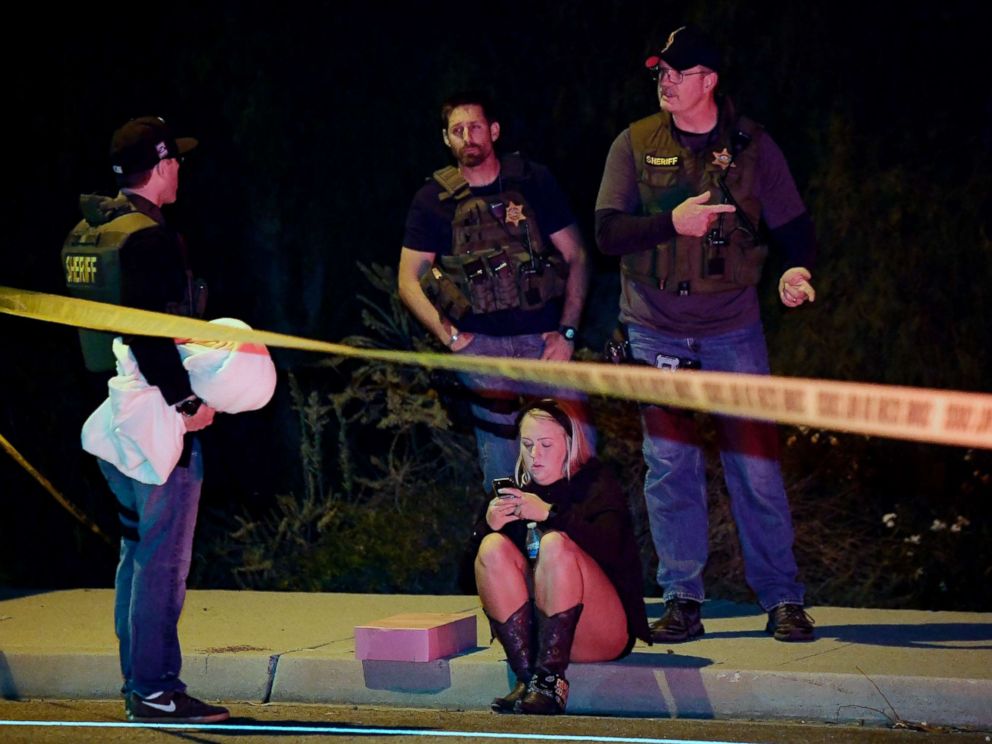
(566,576)
(500,575)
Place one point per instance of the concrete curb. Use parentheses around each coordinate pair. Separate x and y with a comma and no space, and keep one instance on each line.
(866,665)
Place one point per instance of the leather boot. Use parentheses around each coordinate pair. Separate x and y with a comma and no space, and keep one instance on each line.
(547,693)
(516,634)
(681,622)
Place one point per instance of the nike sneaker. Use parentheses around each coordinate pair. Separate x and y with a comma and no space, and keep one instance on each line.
(172,705)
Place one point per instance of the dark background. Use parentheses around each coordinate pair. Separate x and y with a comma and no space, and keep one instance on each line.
(317,122)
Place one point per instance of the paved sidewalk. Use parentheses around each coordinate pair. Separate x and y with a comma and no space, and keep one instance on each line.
(296,647)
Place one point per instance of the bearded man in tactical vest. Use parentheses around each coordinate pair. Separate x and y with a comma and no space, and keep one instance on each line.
(124,252)
(688,200)
(493,265)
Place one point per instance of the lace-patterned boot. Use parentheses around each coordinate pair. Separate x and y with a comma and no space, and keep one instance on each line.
(547,693)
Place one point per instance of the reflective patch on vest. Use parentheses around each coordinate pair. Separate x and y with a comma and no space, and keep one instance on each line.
(655,160)
(82,270)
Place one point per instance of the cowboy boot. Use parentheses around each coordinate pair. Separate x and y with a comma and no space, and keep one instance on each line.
(516,634)
(547,693)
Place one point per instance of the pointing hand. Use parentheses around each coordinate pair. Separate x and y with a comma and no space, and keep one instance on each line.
(694,216)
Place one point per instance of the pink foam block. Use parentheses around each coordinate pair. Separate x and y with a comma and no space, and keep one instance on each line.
(415,636)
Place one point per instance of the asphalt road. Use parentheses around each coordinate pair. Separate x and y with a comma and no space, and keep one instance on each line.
(60,721)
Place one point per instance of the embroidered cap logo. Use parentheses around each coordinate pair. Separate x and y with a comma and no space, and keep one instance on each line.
(671,39)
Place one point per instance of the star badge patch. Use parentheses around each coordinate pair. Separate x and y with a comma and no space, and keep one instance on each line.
(515,213)
(723,159)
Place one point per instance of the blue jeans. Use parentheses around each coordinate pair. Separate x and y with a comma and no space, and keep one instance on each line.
(498,453)
(151,575)
(675,483)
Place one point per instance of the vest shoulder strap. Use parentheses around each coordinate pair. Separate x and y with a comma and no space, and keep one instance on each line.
(132,222)
(123,227)
(647,125)
(749,127)
(642,132)
(452,182)
(453,185)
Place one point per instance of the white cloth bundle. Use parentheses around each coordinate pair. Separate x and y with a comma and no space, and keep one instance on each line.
(137,432)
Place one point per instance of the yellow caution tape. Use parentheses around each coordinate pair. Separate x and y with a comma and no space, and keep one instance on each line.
(920,414)
(46,484)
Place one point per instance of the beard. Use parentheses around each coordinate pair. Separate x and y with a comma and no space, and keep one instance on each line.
(471,156)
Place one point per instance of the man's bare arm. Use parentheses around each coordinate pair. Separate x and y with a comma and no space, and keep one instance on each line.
(569,243)
(413,264)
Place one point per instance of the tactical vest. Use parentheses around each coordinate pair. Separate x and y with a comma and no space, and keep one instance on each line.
(91,261)
(728,258)
(498,260)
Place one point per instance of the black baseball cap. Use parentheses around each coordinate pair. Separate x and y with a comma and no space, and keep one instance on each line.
(141,143)
(687,47)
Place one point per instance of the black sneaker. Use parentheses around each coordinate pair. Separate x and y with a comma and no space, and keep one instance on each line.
(790,623)
(679,623)
(174,706)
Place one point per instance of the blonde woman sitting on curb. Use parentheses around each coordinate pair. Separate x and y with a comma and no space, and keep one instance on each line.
(582,600)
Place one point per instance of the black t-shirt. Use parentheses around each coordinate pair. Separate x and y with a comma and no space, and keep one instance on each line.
(428,229)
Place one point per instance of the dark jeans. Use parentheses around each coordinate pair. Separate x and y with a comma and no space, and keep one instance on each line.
(151,574)
(498,455)
(675,483)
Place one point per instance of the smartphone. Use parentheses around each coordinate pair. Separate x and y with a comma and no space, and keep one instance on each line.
(499,483)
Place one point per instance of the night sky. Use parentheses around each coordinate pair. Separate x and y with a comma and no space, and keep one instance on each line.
(318,121)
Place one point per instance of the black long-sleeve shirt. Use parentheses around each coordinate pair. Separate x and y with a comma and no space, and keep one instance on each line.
(155,276)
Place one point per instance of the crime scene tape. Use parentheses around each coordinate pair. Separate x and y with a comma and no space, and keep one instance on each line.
(46,484)
(918,414)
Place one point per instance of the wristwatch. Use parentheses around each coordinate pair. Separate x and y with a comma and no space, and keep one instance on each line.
(190,406)
(568,332)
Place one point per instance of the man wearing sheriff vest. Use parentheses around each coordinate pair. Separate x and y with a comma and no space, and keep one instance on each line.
(493,264)
(686,198)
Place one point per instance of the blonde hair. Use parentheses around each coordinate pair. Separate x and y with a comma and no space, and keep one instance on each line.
(577,449)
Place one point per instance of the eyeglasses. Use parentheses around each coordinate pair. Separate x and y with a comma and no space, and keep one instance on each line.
(674,76)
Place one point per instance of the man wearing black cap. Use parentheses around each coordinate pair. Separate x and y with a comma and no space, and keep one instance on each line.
(157,521)
(687,198)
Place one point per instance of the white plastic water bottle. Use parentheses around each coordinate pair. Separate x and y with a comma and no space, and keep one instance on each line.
(533,541)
